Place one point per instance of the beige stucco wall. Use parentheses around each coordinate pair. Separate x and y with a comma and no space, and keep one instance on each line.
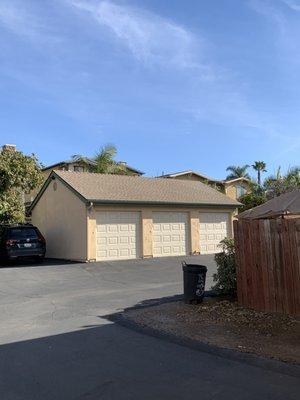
(189,177)
(231,189)
(147,232)
(193,177)
(62,218)
(147,225)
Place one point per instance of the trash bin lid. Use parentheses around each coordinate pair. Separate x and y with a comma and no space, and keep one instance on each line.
(196,268)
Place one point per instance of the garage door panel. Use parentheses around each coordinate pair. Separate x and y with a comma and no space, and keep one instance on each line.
(118,235)
(170,234)
(214,227)
(158,251)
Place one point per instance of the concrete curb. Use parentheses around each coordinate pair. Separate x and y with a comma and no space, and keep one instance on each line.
(248,358)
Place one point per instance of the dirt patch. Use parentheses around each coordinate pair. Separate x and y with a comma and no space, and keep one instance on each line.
(225,324)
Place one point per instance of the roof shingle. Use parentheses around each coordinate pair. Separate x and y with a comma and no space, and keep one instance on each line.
(130,189)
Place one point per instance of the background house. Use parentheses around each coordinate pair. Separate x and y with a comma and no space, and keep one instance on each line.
(88,217)
(77,163)
(234,188)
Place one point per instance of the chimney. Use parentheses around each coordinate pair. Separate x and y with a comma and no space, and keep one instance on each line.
(123,163)
(9,147)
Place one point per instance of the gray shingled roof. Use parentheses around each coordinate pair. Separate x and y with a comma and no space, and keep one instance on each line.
(175,174)
(133,189)
(88,161)
(286,204)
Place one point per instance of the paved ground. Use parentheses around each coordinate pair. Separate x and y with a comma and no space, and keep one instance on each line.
(56,343)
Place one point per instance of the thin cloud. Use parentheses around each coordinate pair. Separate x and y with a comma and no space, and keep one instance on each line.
(293,5)
(287,32)
(271,12)
(26,22)
(150,38)
(205,91)
(16,20)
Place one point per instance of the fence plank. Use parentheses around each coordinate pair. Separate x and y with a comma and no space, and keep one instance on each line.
(247,265)
(271,266)
(258,284)
(297,264)
(286,267)
(238,261)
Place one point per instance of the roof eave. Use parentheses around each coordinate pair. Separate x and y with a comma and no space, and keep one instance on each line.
(176,174)
(67,162)
(163,203)
(236,179)
(52,176)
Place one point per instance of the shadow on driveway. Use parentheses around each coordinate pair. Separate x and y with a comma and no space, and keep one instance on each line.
(112,362)
(123,318)
(26,263)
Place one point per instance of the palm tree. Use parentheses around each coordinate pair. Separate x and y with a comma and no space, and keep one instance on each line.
(259,166)
(275,185)
(293,176)
(238,172)
(273,178)
(105,162)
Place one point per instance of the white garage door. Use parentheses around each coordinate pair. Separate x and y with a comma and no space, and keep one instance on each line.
(214,227)
(170,234)
(118,235)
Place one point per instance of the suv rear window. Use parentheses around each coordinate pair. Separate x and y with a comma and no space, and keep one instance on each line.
(22,233)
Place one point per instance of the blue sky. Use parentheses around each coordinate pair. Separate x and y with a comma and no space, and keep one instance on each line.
(174,84)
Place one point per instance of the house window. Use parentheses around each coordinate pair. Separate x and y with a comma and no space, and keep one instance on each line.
(78,168)
(240,191)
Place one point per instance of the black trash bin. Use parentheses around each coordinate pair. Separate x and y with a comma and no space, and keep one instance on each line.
(194,276)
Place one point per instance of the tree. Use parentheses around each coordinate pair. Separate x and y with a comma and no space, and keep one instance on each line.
(293,177)
(253,199)
(18,174)
(259,167)
(238,172)
(105,163)
(280,184)
(272,178)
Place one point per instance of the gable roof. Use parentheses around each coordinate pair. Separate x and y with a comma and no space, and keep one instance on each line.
(182,173)
(286,204)
(74,159)
(189,172)
(88,161)
(242,178)
(137,171)
(110,189)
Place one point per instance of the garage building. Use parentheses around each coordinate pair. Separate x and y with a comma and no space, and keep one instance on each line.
(100,217)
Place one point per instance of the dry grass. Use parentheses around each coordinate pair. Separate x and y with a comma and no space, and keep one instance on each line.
(225,324)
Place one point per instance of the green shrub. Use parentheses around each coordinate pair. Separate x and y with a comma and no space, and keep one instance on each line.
(251,200)
(225,277)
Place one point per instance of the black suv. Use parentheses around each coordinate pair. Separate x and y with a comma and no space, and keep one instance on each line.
(21,240)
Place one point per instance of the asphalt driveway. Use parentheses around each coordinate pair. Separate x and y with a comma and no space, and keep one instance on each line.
(55,342)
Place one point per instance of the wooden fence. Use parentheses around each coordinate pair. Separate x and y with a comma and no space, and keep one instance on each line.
(268,264)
